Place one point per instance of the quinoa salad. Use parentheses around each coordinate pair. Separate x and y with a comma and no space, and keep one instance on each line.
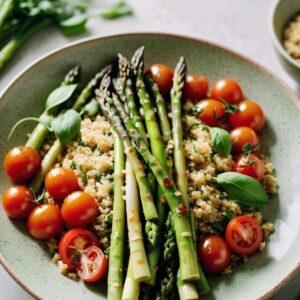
(149,181)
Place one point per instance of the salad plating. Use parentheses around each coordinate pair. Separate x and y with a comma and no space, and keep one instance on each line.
(186,161)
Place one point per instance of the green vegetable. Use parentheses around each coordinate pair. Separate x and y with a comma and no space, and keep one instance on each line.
(74,25)
(242,188)
(67,125)
(120,9)
(92,108)
(60,96)
(221,142)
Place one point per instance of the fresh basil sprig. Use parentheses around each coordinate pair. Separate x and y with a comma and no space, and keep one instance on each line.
(221,142)
(242,188)
(60,95)
(66,126)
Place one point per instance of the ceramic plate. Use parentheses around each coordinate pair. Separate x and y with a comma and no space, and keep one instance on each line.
(28,261)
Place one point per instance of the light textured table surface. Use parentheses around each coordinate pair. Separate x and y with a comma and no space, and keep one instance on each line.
(241,25)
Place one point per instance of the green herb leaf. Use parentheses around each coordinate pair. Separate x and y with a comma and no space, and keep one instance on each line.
(246,148)
(59,96)
(196,110)
(242,188)
(66,126)
(221,142)
(120,9)
(74,25)
(45,120)
(92,108)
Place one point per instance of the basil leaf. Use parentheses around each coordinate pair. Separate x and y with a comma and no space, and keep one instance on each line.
(74,25)
(242,188)
(67,126)
(59,96)
(221,142)
(120,9)
(44,120)
(92,108)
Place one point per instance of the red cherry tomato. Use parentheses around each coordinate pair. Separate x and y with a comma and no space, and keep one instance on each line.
(45,221)
(22,163)
(249,114)
(251,166)
(72,243)
(227,89)
(244,235)
(195,87)
(79,209)
(214,254)
(61,182)
(244,135)
(93,264)
(163,76)
(212,111)
(17,202)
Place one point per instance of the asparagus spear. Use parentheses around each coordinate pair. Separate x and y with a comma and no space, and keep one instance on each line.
(181,169)
(57,147)
(187,254)
(6,9)
(40,132)
(19,39)
(129,94)
(116,253)
(131,289)
(157,147)
(138,259)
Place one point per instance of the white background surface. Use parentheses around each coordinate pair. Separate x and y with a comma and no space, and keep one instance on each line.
(241,25)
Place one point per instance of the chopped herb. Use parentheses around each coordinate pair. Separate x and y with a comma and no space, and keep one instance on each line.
(217,225)
(73,165)
(98,177)
(110,169)
(229,214)
(80,167)
(80,142)
(84,177)
(196,110)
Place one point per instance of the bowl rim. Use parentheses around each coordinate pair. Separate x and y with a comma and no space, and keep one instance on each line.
(276,42)
(26,70)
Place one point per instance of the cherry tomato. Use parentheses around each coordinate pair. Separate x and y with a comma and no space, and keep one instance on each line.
(214,254)
(72,243)
(249,114)
(251,166)
(227,89)
(45,221)
(163,76)
(17,202)
(244,135)
(79,209)
(212,111)
(195,87)
(244,235)
(61,182)
(93,264)
(22,163)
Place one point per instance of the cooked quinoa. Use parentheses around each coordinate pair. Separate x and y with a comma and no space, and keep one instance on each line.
(291,38)
(91,158)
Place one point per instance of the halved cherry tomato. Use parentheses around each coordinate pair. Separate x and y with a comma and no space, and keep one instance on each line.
(72,243)
(17,202)
(163,76)
(195,87)
(214,254)
(213,111)
(45,221)
(93,264)
(79,209)
(244,235)
(22,163)
(249,165)
(227,89)
(61,182)
(249,114)
(244,135)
